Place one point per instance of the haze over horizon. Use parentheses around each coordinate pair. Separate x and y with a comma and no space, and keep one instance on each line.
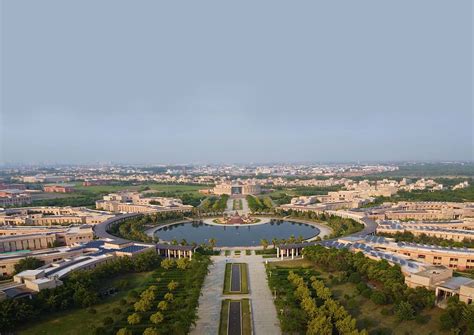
(213,82)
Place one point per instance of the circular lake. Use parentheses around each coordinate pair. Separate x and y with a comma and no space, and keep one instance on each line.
(236,236)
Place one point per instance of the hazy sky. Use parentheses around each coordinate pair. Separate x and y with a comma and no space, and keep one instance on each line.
(236,81)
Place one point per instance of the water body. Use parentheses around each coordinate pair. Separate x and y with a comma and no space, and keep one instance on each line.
(235,236)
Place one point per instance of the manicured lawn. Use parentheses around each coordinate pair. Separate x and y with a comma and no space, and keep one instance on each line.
(246,317)
(80,321)
(244,289)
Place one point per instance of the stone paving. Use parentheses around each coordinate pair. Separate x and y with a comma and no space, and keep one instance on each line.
(264,317)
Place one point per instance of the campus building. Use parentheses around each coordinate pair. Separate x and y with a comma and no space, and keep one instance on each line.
(443,231)
(18,240)
(47,216)
(237,188)
(59,188)
(135,202)
(14,197)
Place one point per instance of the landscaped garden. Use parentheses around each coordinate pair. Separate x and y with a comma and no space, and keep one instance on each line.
(371,296)
(162,301)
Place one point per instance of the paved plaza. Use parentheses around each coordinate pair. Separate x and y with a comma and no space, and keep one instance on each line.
(264,317)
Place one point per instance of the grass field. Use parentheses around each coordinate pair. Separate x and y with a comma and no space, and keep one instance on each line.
(246,317)
(81,321)
(367,313)
(244,289)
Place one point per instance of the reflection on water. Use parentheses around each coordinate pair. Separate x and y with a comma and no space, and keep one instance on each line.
(232,236)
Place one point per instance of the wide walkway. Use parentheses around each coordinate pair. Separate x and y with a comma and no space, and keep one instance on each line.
(264,315)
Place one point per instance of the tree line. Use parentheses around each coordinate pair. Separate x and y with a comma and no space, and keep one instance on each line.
(340,226)
(259,205)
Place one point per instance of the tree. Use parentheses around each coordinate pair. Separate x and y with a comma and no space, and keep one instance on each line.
(151,331)
(28,263)
(124,331)
(378,297)
(404,311)
(173,285)
(134,319)
(182,263)
(157,318)
(167,264)
(163,305)
(264,243)
(169,296)
(212,242)
(143,305)
(320,325)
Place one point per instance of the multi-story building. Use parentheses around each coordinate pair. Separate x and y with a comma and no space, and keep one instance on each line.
(41,216)
(134,202)
(14,197)
(59,188)
(17,240)
(237,188)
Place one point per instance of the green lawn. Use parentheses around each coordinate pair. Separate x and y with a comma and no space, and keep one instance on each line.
(246,317)
(244,289)
(80,321)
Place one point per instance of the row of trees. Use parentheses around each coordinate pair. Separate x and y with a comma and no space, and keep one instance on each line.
(80,289)
(340,226)
(214,205)
(259,205)
(389,279)
(133,228)
(326,316)
(167,306)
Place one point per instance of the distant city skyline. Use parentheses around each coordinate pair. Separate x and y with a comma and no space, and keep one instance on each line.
(212,82)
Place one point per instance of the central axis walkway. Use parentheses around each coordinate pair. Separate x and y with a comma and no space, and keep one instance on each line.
(264,317)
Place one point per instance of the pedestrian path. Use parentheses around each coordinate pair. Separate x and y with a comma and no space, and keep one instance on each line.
(264,315)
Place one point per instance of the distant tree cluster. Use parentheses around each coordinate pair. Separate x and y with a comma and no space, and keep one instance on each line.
(134,228)
(340,226)
(259,205)
(214,205)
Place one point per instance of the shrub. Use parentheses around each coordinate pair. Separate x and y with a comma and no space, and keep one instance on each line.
(354,277)
(92,311)
(404,311)
(378,297)
(134,319)
(117,310)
